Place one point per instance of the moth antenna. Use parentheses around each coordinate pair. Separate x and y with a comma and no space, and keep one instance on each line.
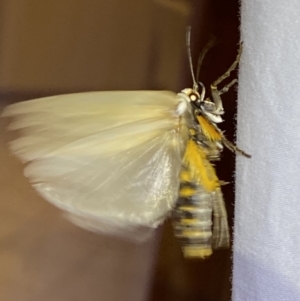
(188,48)
(211,42)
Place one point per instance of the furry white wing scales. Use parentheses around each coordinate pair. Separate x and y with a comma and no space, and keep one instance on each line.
(110,159)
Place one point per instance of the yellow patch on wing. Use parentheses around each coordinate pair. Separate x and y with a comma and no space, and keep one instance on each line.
(200,169)
(209,131)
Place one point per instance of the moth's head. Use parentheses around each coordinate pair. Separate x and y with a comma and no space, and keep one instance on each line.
(192,94)
(203,106)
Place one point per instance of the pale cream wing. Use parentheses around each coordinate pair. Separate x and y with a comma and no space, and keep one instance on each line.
(110,159)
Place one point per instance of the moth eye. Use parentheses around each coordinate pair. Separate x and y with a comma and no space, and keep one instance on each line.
(194,97)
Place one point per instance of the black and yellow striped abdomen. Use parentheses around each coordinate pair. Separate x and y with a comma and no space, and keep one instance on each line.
(199,218)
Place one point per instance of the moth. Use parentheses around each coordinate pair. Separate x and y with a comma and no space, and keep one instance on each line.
(120,162)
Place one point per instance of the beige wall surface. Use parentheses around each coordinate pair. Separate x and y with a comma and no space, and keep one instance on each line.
(88,45)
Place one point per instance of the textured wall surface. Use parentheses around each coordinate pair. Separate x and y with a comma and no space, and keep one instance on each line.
(266,252)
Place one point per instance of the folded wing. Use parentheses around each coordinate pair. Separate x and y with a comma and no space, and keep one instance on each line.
(110,159)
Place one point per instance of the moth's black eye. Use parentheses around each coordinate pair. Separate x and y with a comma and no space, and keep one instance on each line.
(194,97)
(208,106)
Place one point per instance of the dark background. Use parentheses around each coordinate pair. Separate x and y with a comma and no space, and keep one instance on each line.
(61,46)
(210,280)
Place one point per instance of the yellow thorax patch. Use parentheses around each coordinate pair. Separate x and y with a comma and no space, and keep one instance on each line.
(208,129)
(200,169)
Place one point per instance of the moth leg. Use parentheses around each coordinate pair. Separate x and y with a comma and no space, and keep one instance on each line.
(227,87)
(230,69)
(214,89)
(233,147)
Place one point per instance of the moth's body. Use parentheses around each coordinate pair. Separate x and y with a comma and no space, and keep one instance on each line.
(199,217)
(114,161)
(200,195)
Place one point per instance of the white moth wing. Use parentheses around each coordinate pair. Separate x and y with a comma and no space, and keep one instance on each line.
(109,159)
